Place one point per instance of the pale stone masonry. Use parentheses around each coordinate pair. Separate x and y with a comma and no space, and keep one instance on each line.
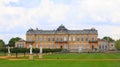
(62,38)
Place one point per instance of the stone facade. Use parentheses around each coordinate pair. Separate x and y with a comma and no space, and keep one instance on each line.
(104,45)
(20,44)
(62,38)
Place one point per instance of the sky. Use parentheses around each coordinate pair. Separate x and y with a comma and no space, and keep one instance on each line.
(17,16)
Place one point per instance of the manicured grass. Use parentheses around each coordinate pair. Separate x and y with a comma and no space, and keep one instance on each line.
(77,60)
(84,56)
(58,63)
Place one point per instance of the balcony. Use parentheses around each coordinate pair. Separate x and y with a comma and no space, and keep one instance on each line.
(93,41)
(30,41)
(58,41)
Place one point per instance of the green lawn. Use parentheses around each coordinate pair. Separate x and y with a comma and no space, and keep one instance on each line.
(60,62)
(84,56)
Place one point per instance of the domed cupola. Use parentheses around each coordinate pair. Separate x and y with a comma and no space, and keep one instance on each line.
(61,28)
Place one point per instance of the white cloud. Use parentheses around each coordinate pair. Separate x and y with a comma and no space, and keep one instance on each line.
(100,10)
(72,14)
(112,31)
(7,37)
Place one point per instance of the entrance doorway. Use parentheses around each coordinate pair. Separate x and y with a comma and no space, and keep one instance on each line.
(92,47)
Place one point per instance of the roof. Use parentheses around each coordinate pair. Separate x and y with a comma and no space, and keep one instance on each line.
(62,29)
(21,40)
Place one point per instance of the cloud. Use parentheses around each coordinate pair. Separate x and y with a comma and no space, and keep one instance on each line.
(7,37)
(78,14)
(100,10)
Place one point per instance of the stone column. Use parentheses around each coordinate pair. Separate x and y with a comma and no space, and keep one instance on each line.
(31,54)
(40,54)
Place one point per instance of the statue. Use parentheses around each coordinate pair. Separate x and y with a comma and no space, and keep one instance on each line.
(40,50)
(30,49)
(8,50)
(79,49)
(40,54)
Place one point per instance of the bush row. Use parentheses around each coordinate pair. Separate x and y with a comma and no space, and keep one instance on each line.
(26,50)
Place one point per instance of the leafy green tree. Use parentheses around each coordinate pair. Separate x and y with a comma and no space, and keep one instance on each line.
(2,43)
(117,44)
(12,41)
(4,50)
(108,39)
(23,50)
(36,50)
(16,51)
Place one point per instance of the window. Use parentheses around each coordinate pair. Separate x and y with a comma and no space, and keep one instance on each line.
(99,46)
(112,45)
(82,38)
(57,46)
(49,39)
(87,46)
(36,38)
(40,38)
(65,39)
(92,38)
(40,45)
(102,46)
(70,38)
(105,46)
(61,38)
(53,46)
(30,39)
(82,46)
(44,38)
(65,46)
(57,39)
(52,38)
(86,38)
(48,45)
(44,45)
(78,38)
(74,38)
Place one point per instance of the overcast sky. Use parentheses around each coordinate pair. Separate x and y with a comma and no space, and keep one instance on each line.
(17,16)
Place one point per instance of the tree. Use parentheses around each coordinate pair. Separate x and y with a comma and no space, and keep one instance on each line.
(4,50)
(117,44)
(36,50)
(23,50)
(2,43)
(16,51)
(12,41)
(109,39)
